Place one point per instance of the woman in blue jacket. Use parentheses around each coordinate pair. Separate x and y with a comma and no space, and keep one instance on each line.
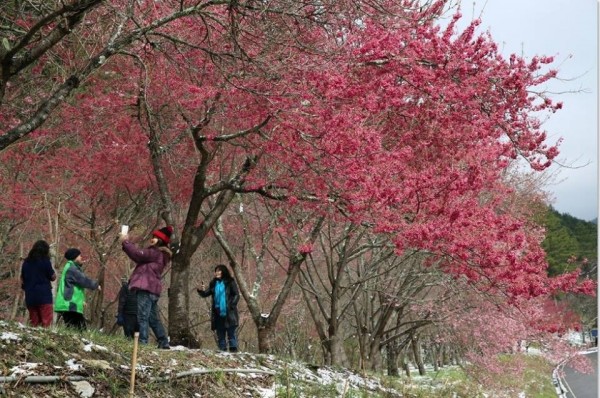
(37,275)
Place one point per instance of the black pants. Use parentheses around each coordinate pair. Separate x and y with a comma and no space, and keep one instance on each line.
(130,325)
(74,320)
(225,335)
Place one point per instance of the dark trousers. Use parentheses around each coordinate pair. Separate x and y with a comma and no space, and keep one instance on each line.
(74,320)
(225,335)
(147,314)
(130,325)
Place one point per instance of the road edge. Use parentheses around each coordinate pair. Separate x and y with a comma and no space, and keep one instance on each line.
(561,390)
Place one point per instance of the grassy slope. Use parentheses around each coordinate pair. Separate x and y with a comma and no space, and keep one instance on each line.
(104,362)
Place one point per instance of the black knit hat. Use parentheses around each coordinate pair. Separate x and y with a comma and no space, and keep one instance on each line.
(72,254)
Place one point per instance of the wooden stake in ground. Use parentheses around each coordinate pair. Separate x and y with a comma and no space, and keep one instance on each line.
(136,337)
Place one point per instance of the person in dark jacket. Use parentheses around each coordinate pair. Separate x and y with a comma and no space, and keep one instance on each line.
(70,297)
(224,314)
(145,281)
(127,311)
(37,275)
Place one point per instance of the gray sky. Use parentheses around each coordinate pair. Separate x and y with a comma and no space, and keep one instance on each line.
(567,30)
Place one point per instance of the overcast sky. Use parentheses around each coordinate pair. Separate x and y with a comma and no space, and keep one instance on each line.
(567,30)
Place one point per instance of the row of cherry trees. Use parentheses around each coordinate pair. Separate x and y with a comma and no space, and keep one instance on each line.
(363,117)
(367,304)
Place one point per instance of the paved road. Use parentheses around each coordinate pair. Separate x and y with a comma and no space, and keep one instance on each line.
(581,385)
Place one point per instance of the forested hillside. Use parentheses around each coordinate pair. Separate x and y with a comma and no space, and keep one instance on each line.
(570,243)
(569,238)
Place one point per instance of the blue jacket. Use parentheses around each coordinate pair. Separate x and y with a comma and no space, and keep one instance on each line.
(36,277)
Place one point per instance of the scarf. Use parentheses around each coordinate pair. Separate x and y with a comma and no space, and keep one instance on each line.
(220,299)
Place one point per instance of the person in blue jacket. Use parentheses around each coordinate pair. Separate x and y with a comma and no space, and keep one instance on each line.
(37,275)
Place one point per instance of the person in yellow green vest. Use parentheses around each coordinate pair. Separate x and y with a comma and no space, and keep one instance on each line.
(70,298)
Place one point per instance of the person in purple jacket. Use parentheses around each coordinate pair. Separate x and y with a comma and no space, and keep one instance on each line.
(145,280)
(37,275)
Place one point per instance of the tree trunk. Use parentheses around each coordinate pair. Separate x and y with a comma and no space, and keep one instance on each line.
(180,332)
(362,366)
(455,359)
(97,299)
(405,364)
(266,325)
(361,336)
(336,343)
(416,348)
(392,360)
(15,309)
(445,360)
(331,343)
(375,353)
(319,325)
(265,339)
(435,354)
(337,351)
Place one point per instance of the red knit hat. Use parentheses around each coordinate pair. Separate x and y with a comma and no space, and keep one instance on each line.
(164,234)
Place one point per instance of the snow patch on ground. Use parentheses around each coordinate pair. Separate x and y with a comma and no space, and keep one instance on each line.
(7,336)
(90,346)
(72,365)
(24,369)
